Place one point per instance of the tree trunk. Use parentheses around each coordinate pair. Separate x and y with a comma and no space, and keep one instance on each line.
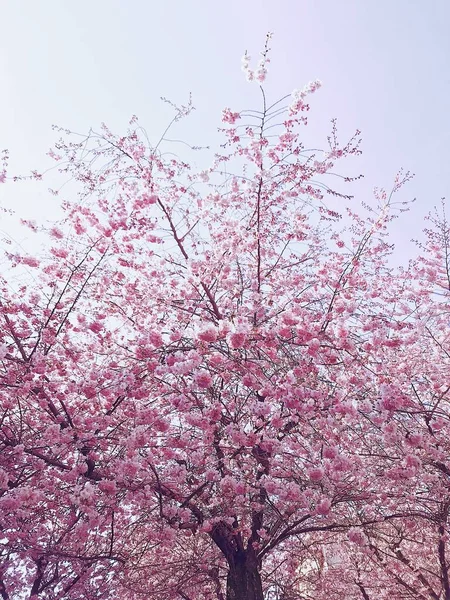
(244,580)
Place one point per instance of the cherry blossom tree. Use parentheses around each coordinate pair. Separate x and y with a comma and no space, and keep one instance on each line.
(210,378)
(407,557)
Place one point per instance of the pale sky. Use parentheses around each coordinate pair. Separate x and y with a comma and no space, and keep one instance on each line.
(384,65)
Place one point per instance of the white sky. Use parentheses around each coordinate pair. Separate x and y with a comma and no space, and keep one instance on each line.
(384,66)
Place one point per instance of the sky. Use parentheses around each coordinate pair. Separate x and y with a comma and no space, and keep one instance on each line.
(384,65)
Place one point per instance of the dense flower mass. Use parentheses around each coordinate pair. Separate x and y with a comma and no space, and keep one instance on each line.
(213,385)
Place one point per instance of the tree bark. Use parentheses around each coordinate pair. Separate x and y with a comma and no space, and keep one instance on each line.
(244,580)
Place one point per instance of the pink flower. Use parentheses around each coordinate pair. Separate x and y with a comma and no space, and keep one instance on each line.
(413,461)
(87,494)
(107,486)
(211,475)
(56,233)
(208,334)
(314,346)
(160,425)
(415,439)
(3,479)
(285,332)
(155,338)
(237,339)
(271,487)
(261,74)
(356,536)
(29,223)
(203,379)
(59,252)
(289,318)
(329,452)
(239,488)
(323,508)
(391,398)
(96,327)
(248,380)
(30,261)
(230,117)
(316,474)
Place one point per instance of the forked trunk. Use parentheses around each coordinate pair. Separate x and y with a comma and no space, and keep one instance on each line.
(244,580)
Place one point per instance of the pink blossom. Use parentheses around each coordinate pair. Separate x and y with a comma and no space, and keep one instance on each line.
(237,339)
(211,475)
(356,536)
(415,439)
(30,261)
(324,506)
(96,327)
(329,452)
(239,488)
(289,318)
(248,380)
(316,474)
(230,117)
(203,379)
(208,334)
(108,486)
(3,479)
(56,233)
(148,199)
(261,74)
(60,252)
(314,346)
(155,339)
(87,494)
(30,224)
(413,461)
